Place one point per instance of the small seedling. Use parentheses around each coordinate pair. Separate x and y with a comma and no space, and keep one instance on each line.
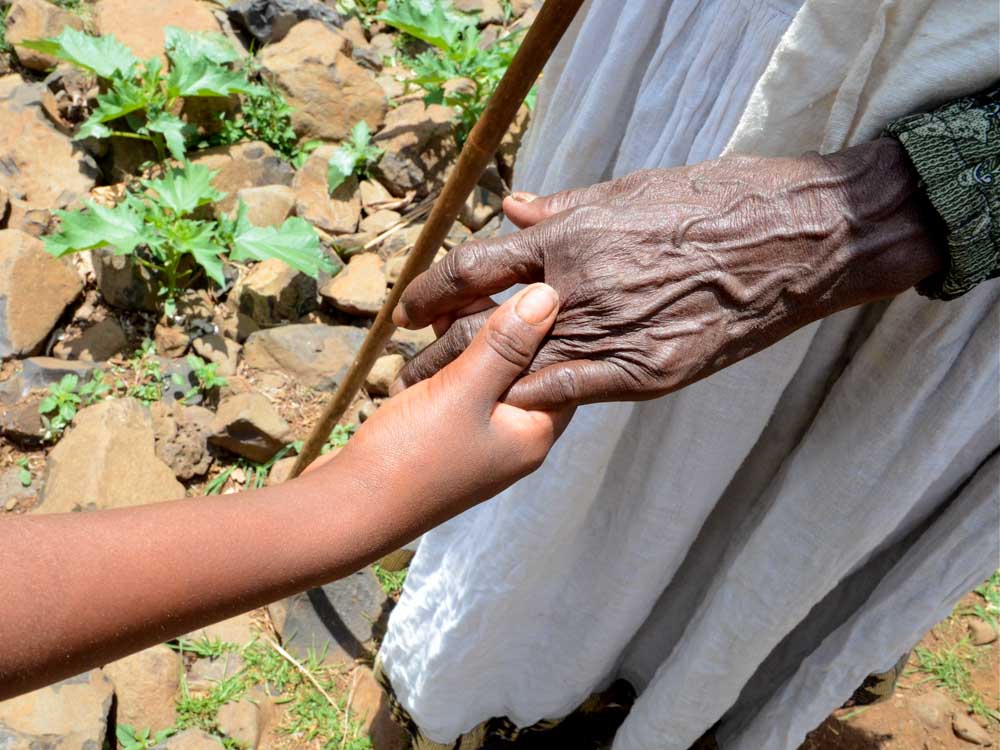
(354,157)
(204,647)
(5,46)
(158,228)
(139,99)
(130,738)
(207,379)
(24,472)
(951,667)
(391,581)
(59,408)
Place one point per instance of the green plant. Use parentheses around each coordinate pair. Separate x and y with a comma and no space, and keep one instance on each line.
(951,668)
(363,10)
(5,46)
(265,116)
(24,472)
(145,379)
(59,408)
(455,71)
(390,581)
(355,156)
(130,738)
(157,226)
(990,592)
(139,99)
(206,378)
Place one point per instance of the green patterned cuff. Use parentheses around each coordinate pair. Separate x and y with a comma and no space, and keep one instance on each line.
(956,151)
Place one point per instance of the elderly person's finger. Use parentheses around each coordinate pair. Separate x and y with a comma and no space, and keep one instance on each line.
(470,272)
(442,351)
(569,384)
(526,209)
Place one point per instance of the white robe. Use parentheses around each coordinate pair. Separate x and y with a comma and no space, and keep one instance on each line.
(748,549)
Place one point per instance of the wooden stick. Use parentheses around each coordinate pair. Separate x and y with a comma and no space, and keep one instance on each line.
(543,36)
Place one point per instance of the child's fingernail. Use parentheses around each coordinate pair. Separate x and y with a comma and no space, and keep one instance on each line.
(537,303)
(523,197)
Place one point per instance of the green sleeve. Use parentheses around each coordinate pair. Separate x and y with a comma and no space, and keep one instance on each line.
(956,151)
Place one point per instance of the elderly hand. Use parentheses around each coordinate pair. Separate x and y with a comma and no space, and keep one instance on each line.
(668,275)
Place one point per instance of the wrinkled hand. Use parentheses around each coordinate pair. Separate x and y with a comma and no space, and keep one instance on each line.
(666,276)
(447,441)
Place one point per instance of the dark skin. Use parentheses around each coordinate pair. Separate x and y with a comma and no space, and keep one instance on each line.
(82,589)
(669,275)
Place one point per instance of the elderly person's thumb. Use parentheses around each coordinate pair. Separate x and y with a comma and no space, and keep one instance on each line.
(505,346)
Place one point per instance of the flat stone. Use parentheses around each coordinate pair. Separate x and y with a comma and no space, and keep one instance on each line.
(21,423)
(420,148)
(35,289)
(140,26)
(933,709)
(37,19)
(384,373)
(269,21)
(329,93)
(360,289)
(965,728)
(273,293)
(316,355)
(981,632)
(104,458)
(248,424)
(241,720)
(380,221)
(341,616)
(146,684)
(267,205)
(243,165)
(190,739)
(374,196)
(338,213)
(75,711)
(98,343)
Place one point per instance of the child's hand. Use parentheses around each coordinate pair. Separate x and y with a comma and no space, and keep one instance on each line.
(449,440)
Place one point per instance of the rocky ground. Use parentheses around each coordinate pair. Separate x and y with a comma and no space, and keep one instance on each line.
(90,335)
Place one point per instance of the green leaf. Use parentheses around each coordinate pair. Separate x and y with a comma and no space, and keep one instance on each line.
(185,188)
(104,55)
(433,21)
(202,77)
(341,165)
(209,255)
(211,46)
(361,135)
(295,243)
(69,382)
(47,404)
(120,227)
(174,130)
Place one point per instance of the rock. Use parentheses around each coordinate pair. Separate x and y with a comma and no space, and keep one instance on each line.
(342,616)
(41,372)
(269,21)
(234,325)
(367,410)
(240,629)
(140,26)
(190,739)
(489,11)
(384,373)
(12,492)
(181,438)
(124,283)
(281,471)
(419,145)
(933,708)
(329,93)
(205,673)
(21,423)
(248,425)
(222,351)
(268,205)
(98,343)
(146,684)
(374,196)
(104,458)
(316,355)
(966,729)
(338,213)
(171,341)
(380,221)
(981,632)
(37,19)
(241,721)
(360,288)
(35,288)
(273,293)
(67,715)
(410,343)
(371,707)
(243,165)
(481,206)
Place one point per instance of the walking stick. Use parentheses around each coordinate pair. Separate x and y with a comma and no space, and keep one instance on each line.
(543,36)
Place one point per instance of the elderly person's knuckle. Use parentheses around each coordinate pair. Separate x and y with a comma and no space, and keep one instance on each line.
(461,265)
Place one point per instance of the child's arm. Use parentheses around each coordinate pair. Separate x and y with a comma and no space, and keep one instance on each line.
(83,589)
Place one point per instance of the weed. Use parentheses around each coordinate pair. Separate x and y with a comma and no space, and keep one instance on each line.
(354,157)
(158,228)
(951,668)
(23,472)
(207,379)
(990,592)
(455,71)
(390,581)
(363,10)
(144,372)
(65,398)
(205,647)
(130,738)
(5,46)
(139,96)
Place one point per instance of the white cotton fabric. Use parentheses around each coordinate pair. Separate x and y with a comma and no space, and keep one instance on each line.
(744,551)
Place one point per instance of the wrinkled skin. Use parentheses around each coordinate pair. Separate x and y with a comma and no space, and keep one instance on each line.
(668,275)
